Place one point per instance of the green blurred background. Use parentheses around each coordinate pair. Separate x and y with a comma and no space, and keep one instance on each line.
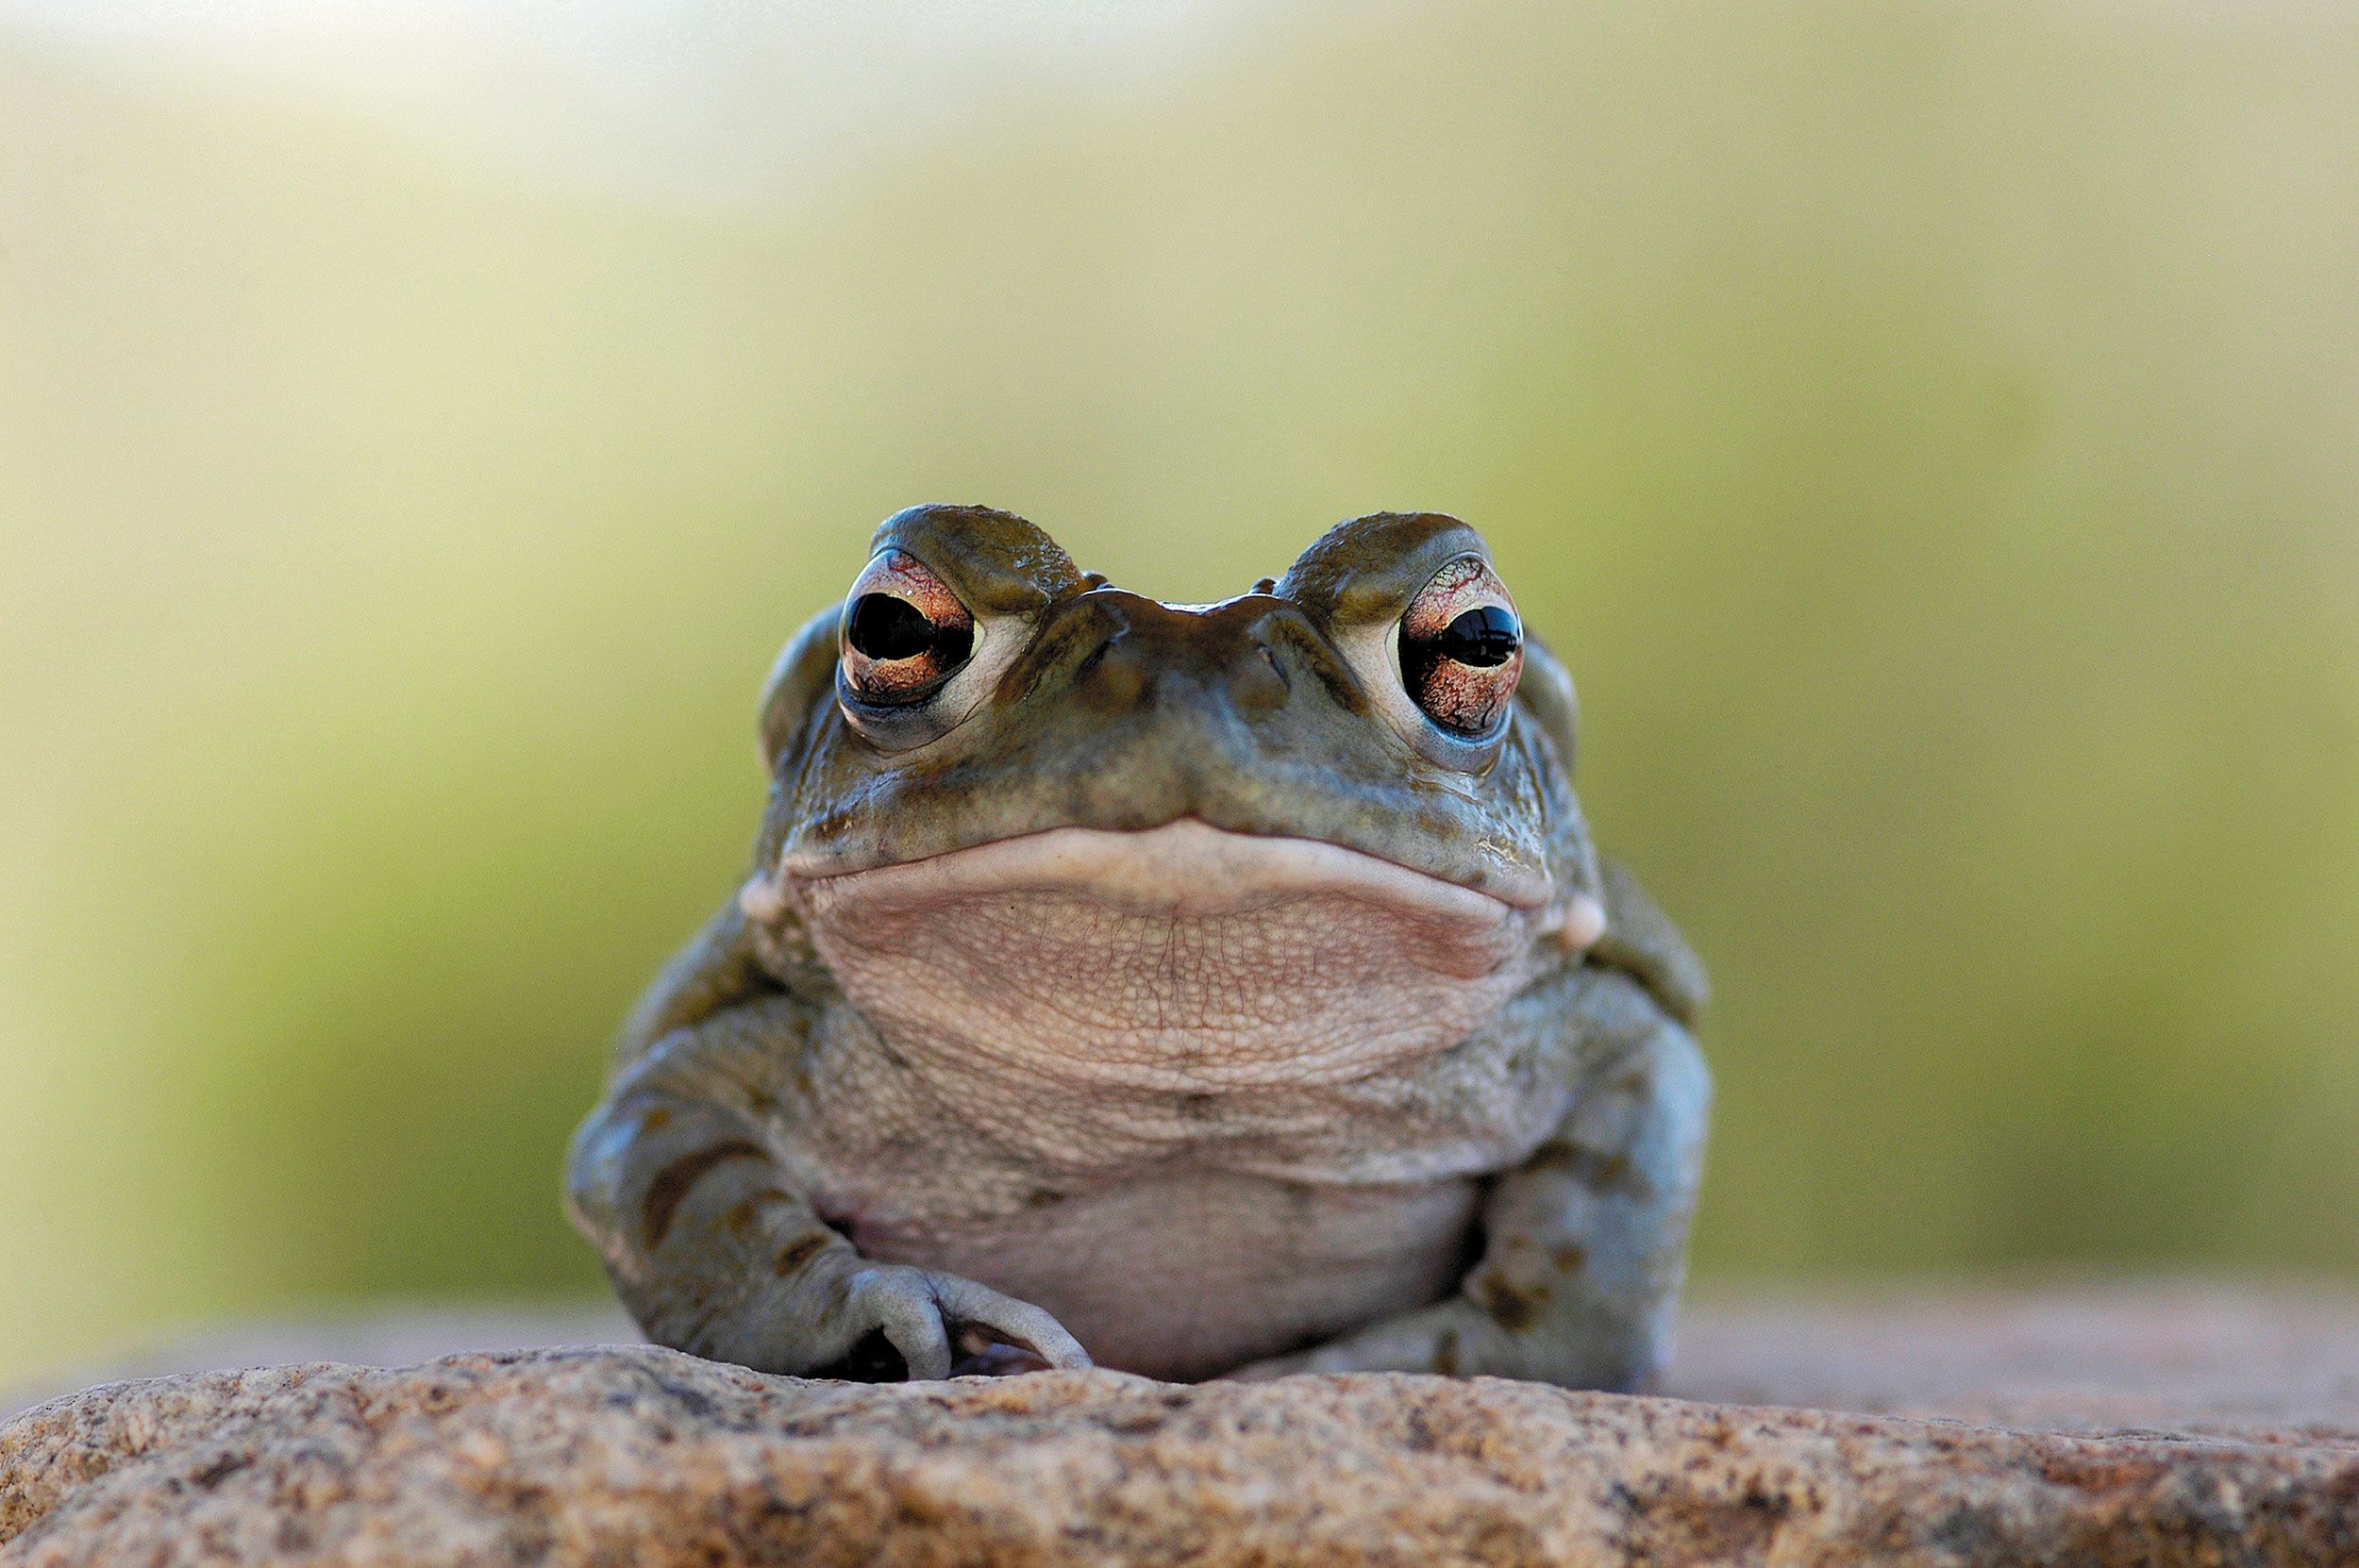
(1930,430)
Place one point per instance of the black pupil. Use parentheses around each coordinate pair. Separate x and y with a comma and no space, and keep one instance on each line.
(885,627)
(1484,637)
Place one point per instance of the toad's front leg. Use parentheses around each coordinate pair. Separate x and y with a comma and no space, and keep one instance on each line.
(676,1180)
(1584,1244)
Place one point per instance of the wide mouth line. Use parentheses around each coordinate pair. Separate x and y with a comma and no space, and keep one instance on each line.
(1185,862)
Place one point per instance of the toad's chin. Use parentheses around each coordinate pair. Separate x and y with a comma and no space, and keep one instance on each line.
(1182,958)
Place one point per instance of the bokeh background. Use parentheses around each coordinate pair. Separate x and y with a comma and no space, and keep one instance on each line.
(1930,430)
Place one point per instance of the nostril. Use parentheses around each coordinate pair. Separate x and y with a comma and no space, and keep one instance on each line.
(1112,677)
(1259,685)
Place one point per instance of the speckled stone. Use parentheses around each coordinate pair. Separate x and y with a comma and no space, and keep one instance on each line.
(640,1456)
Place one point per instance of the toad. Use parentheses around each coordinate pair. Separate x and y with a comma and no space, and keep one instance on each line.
(1193,990)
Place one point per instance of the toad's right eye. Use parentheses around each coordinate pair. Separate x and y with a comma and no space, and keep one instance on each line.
(904,631)
(1462,648)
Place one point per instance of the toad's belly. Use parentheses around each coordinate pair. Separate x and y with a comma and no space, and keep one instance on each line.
(1194,1273)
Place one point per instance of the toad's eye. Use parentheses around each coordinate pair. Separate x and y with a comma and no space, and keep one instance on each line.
(904,631)
(1462,648)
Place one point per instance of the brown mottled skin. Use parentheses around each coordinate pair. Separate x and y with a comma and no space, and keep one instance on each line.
(1202,991)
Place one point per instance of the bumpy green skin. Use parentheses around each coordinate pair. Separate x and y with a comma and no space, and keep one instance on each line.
(751,1096)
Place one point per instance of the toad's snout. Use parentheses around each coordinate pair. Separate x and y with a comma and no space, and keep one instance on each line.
(1244,655)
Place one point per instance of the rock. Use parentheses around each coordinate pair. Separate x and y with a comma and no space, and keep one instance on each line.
(635,1454)
(2185,1358)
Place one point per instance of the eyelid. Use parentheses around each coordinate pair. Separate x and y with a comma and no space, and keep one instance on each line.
(1467,583)
(898,572)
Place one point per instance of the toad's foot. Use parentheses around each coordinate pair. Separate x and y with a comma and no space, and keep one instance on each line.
(937,1324)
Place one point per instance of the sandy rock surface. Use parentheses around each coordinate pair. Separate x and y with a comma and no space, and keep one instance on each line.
(2157,1426)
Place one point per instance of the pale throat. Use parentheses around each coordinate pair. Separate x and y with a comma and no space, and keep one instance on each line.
(1180,959)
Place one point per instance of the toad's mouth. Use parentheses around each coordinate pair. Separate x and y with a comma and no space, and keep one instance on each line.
(1172,956)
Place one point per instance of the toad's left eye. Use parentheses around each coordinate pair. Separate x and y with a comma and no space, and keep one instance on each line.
(1462,648)
(904,631)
